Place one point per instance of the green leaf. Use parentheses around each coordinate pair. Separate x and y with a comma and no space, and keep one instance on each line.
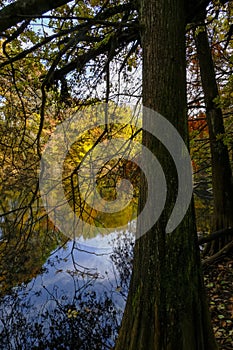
(221,317)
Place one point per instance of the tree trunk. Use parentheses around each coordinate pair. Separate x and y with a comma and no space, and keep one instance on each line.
(166,307)
(221,169)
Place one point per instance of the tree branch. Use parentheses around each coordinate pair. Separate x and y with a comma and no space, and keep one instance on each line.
(122,39)
(219,255)
(19,10)
(195,10)
(215,235)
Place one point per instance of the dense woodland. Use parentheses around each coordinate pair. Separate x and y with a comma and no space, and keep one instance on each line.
(60,58)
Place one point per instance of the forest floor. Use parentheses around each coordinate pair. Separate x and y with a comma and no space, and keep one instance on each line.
(219,284)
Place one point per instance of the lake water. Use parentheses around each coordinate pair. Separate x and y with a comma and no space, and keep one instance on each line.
(61,294)
(55,292)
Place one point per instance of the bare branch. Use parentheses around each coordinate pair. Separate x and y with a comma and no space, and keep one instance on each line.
(219,255)
(214,235)
(120,39)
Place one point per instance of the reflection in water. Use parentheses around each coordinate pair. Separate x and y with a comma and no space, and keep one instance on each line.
(56,293)
(77,300)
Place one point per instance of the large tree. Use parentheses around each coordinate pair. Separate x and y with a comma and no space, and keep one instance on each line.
(166,306)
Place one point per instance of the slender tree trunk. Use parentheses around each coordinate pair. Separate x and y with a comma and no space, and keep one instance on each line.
(221,169)
(166,307)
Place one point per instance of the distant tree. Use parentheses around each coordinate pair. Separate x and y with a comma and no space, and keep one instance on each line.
(222,183)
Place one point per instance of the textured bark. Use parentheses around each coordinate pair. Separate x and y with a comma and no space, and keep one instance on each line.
(166,307)
(221,169)
(19,10)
